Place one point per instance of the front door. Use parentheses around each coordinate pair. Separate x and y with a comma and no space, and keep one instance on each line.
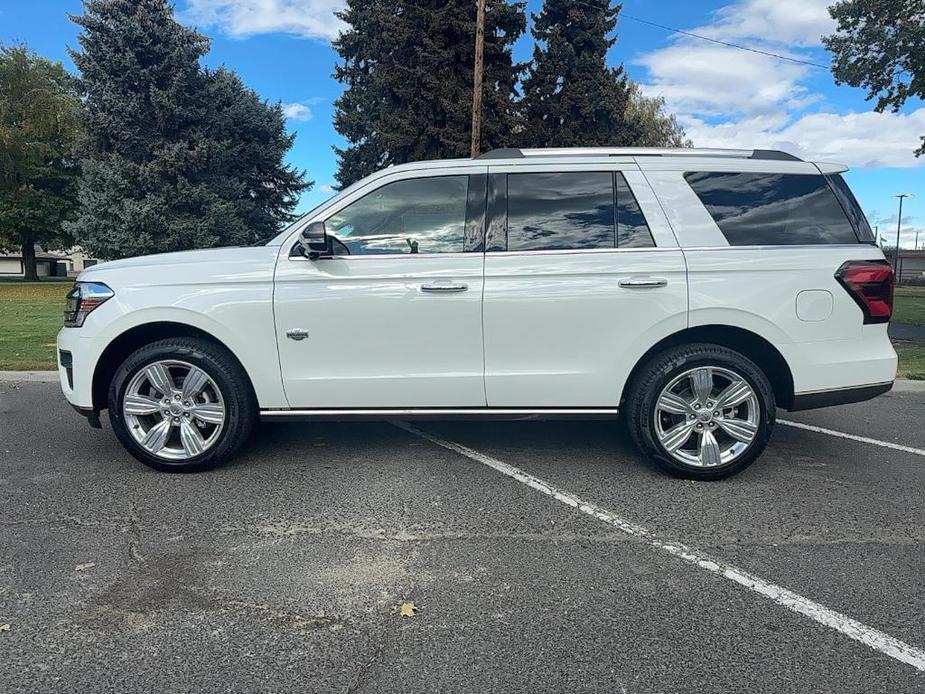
(393,319)
(579,283)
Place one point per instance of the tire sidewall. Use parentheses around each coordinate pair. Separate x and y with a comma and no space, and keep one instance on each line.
(197,355)
(663,370)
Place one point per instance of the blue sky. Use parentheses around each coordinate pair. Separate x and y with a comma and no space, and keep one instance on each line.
(723,96)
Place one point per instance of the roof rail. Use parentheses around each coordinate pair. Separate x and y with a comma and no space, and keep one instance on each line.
(515,153)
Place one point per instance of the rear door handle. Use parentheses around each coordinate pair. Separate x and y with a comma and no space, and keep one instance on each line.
(643,281)
(444,287)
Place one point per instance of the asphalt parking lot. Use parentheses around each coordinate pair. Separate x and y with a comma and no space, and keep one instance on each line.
(285,571)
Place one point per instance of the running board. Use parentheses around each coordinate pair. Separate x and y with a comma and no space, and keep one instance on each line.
(387,413)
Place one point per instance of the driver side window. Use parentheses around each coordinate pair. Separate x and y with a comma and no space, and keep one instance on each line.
(419,215)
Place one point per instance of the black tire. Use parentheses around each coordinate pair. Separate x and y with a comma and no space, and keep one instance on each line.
(659,371)
(227,374)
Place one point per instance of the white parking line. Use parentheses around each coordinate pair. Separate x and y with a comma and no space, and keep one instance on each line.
(877,640)
(852,437)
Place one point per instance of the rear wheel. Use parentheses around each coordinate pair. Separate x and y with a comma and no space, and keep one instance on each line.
(701,411)
(181,405)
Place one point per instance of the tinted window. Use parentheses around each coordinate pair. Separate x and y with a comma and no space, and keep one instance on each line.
(632,230)
(851,207)
(560,211)
(420,215)
(757,209)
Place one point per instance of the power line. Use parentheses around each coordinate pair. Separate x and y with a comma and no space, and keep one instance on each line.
(624,15)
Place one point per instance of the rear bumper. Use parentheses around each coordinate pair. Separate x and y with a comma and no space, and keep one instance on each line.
(838,396)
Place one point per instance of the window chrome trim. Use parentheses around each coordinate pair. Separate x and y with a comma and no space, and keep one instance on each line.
(584,251)
(384,256)
(832,246)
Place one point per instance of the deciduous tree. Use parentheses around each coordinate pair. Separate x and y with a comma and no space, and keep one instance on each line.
(38,171)
(879,45)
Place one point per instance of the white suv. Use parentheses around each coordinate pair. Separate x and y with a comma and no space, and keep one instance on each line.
(693,290)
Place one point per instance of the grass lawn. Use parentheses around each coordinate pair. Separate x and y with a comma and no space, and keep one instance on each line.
(911,361)
(31,315)
(909,305)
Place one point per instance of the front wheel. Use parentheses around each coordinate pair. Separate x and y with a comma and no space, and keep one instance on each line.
(181,405)
(701,411)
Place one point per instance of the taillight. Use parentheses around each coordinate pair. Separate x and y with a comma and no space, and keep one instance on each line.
(870,284)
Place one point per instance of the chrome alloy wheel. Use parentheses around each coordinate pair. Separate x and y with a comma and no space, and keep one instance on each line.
(174,410)
(707,417)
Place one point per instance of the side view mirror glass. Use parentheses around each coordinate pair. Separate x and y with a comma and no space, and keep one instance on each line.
(314,241)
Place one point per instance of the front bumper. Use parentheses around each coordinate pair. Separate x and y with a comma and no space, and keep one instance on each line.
(77,359)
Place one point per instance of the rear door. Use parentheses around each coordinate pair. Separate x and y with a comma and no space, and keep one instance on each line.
(582,276)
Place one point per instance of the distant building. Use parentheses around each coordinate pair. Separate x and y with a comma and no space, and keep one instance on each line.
(911,267)
(47,263)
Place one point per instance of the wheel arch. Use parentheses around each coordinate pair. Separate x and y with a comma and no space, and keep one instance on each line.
(138,336)
(750,344)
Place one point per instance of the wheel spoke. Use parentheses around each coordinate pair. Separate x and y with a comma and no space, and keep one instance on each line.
(209,412)
(192,440)
(702,383)
(140,405)
(734,394)
(160,378)
(677,436)
(194,382)
(709,450)
(674,404)
(157,435)
(739,429)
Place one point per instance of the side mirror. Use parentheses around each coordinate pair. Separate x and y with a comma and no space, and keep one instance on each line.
(314,241)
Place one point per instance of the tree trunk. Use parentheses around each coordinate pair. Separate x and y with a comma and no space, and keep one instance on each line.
(30,273)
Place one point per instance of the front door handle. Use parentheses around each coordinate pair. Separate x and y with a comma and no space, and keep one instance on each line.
(643,281)
(444,287)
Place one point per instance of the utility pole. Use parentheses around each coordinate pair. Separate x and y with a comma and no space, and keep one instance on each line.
(477,78)
(899,226)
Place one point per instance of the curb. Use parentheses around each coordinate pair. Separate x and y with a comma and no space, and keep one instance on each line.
(904,386)
(29,376)
(900,385)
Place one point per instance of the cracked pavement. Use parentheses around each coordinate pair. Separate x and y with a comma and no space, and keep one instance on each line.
(285,570)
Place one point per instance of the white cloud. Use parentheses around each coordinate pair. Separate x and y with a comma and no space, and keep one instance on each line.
(309,18)
(297,111)
(859,140)
(725,97)
(327,188)
(799,22)
(709,79)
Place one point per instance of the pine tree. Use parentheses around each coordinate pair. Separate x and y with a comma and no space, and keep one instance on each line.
(174,156)
(38,173)
(571,97)
(408,71)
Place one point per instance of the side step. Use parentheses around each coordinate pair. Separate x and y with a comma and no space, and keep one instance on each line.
(436,413)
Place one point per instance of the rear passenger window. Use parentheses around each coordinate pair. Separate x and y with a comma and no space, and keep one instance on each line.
(560,211)
(632,230)
(766,209)
(572,211)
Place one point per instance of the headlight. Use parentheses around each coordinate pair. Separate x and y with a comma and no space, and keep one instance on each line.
(83,298)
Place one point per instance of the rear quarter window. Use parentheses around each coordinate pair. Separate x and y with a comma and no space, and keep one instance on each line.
(768,209)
